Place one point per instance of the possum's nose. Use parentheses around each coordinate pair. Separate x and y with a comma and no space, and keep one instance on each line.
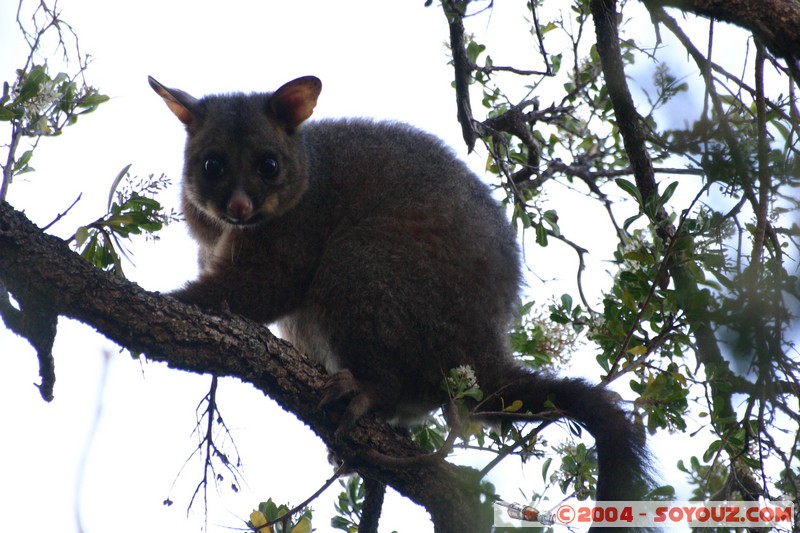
(240,207)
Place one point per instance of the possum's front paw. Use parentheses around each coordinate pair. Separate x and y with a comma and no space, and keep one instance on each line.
(196,294)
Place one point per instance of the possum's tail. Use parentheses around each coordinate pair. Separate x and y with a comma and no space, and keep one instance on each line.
(624,464)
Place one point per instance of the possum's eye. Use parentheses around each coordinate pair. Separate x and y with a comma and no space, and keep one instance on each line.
(267,167)
(213,167)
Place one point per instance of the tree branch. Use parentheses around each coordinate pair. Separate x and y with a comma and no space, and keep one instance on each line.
(38,325)
(461,67)
(41,269)
(374,492)
(775,22)
(629,121)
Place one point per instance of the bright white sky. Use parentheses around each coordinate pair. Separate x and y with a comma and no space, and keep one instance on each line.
(378,59)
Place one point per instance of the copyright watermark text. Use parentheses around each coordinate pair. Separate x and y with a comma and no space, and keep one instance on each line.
(650,514)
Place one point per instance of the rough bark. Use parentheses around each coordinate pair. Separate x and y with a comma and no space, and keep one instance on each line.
(775,22)
(42,271)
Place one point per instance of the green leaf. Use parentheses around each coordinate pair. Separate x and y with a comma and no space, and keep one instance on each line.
(630,220)
(546,467)
(81,235)
(473,392)
(713,448)
(32,85)
(640,257)
(6,113)
(93,100)
(551,219)
(637,350)
(303,526)
(21,166)
(474,50)
(269,510)
(668,192)
(115,184)
(630,188)
(541,235)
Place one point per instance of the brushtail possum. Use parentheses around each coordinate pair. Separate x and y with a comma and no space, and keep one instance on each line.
(379,253)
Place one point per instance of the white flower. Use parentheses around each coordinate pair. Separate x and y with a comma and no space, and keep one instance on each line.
(36,105)
(39,103)
(466,373)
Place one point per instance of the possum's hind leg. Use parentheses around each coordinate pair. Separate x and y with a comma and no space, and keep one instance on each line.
(343,385)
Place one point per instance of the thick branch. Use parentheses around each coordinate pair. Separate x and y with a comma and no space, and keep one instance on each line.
(462,69)
(775,22)
(374,492)
(38,325)
(629,122)
(41,269)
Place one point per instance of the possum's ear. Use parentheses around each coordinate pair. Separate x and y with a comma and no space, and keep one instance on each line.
(182,105)
(294,102)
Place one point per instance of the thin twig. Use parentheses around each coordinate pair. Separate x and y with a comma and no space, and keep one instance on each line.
(63,214)
(8,168)
(508,450)
(336,475)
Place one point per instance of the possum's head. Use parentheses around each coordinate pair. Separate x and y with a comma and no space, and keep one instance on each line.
(245,161)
